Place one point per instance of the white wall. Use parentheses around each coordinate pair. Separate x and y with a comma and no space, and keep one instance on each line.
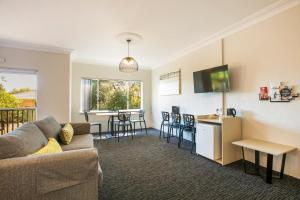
(188,101)
(265,53)
(80,70)
(53,76)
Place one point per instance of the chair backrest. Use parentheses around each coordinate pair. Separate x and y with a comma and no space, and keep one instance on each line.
(175,109)
(124,116)
(142,115)
(86,116)
(188,120)
(165,116)
(176,118)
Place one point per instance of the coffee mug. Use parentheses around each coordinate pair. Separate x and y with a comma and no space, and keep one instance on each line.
(231,112)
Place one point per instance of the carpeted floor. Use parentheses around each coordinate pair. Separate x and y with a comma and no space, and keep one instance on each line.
(149,168)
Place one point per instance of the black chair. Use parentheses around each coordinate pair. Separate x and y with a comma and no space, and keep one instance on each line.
(175,109)
(165,122)
(111,119)
(140,120)
(188,126)
(86,115)
(125,123)
(176,123)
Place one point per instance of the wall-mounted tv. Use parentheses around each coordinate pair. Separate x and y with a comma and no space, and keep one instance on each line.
(212,80)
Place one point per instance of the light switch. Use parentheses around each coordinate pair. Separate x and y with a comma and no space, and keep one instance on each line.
(2,60)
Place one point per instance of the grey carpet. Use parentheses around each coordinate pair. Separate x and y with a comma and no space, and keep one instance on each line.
(149,168)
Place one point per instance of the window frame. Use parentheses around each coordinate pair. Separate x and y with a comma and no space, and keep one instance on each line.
(107,79)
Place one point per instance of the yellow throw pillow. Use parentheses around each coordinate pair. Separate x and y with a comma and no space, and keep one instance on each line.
(52,147)
(66,134)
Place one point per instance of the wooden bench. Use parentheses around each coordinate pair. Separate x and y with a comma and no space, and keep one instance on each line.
(271,149)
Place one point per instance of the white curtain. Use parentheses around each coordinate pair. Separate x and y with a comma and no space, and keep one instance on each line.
(86,94)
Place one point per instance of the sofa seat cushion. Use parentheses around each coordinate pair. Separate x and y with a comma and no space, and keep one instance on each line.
(23,141)
(49,126)
(79,142)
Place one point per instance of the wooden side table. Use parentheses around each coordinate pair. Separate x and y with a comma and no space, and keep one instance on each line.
(271,149)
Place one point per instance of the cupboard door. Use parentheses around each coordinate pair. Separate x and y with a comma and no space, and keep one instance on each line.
(208,141)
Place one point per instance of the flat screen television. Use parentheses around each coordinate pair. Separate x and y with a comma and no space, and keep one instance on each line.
(212,80)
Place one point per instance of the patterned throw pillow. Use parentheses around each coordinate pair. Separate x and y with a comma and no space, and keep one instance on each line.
(66,134)
(52,147)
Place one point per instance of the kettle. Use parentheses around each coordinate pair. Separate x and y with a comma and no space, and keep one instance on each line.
(231,112)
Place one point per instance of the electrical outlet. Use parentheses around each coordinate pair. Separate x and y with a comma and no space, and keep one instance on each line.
(2,60)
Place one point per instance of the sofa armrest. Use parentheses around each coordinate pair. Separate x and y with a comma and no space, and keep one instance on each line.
(32,176)
(80,128)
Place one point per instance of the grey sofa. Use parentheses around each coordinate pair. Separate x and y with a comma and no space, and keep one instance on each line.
(74,174)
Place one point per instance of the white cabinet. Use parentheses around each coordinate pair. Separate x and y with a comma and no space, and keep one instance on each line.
(209,141)
(214,138)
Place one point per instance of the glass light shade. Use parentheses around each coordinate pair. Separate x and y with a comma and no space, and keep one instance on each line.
(128,64)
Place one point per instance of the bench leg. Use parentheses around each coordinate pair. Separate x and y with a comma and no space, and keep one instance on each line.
(257,162)
(244,161)
(282,165)
(269,168)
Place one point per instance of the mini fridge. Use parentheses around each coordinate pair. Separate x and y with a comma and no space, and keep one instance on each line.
(209,141)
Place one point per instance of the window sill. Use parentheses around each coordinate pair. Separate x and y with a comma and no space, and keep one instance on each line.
(108,112)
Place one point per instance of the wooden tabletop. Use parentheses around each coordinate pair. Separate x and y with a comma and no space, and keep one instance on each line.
(116,113)
(264,146)
(214,121)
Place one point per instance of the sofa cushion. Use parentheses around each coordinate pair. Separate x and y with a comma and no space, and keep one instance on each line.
(81,128)
(49,126)
(66,134)
(52,147)
(79,142)
(21,142)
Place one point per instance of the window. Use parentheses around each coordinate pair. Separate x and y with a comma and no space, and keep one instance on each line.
(17,89)
(110,95)
(18,97)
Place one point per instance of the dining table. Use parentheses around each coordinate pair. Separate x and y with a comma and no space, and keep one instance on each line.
(112,116)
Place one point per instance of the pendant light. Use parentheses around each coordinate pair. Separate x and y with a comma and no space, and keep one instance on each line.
(128,64)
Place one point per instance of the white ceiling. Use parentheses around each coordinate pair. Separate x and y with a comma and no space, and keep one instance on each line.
(90,27)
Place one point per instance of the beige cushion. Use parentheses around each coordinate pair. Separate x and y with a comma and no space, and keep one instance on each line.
(66,134)
(21,142)
(49,126)
(79,142)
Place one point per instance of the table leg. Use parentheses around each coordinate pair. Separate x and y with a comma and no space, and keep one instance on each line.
(257,162)
(112,124)
(100,131)
(269,168)
(243,160)
(282,165)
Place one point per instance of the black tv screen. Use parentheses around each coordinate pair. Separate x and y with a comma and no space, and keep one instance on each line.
(212,80)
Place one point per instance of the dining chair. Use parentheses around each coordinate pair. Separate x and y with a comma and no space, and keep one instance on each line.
(175,124)
(124,123)
(188,126)
(165,122)
(111,119)
(86,115)
(141,120)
